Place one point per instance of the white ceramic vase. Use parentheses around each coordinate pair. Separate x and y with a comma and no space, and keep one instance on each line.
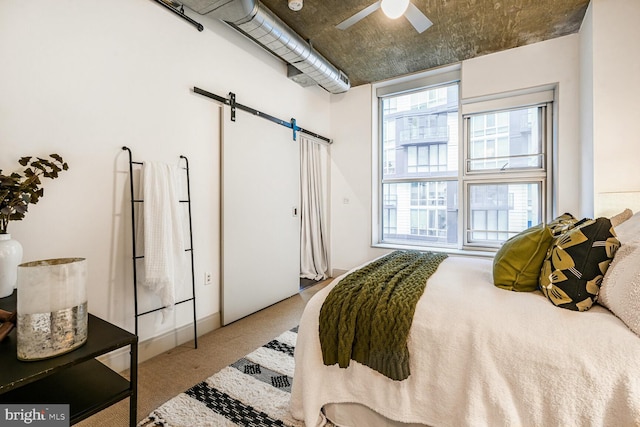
(10,257)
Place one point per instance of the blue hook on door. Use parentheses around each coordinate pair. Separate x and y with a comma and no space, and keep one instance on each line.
(294,127)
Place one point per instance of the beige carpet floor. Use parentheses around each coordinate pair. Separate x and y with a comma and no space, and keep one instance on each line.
(170,373)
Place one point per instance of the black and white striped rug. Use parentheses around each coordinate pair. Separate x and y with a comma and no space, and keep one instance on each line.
(254,391)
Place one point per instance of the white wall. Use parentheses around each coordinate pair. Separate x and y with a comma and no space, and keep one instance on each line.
(551,62)
(351,179)
(554,61)
(84,78)
(616,92)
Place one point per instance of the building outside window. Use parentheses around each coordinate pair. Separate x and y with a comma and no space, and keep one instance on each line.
(440,187)
(420,137)
(506,173)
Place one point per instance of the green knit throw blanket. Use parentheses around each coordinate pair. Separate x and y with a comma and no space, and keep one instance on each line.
(367,316)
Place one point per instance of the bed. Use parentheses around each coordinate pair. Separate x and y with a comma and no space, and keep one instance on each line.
(484,356)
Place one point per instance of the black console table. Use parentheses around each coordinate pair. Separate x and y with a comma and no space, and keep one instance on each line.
(75,378)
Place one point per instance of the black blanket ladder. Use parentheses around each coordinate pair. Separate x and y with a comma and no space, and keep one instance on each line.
(136,257)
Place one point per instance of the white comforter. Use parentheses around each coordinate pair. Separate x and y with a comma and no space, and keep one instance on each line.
(484,356)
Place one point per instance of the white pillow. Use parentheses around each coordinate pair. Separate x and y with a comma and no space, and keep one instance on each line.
(620,289)
(629,230)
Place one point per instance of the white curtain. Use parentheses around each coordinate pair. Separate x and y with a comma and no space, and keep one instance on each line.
(313,237)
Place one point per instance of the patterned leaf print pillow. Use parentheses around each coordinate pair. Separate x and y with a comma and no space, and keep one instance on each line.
(576,263)
(563,223)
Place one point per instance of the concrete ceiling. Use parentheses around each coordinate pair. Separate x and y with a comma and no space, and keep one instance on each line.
(378,48)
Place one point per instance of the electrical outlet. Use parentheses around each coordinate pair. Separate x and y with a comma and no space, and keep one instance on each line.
(208,278)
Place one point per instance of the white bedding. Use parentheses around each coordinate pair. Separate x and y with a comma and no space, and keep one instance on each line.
(484,356)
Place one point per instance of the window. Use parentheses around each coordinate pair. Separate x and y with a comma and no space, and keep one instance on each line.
(420,133)
(505,140)
(505,175)
(427,158)
(390,210)
(460,176)
(499,211)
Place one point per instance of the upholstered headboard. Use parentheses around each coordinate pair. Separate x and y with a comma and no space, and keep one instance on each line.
(611,203)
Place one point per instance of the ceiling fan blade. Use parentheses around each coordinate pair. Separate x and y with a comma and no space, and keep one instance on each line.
(358,16)
(418,19)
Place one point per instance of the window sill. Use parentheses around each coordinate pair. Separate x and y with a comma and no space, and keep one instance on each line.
(452,251)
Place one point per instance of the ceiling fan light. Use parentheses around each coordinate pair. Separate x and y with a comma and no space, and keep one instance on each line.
(394,8)
(295,5)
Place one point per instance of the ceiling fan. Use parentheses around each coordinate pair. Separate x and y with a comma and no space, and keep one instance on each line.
(393,9)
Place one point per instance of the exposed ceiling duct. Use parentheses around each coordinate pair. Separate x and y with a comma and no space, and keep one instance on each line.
(254,20)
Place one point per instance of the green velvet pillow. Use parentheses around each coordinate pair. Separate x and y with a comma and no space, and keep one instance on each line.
(576,263)
(516,266)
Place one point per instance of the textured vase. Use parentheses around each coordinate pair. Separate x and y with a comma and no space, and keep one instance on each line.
(52,307)
(10,257)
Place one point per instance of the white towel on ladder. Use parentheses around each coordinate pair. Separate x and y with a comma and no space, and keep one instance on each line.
(164,248)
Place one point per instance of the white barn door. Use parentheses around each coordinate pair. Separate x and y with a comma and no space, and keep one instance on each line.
(260,215)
